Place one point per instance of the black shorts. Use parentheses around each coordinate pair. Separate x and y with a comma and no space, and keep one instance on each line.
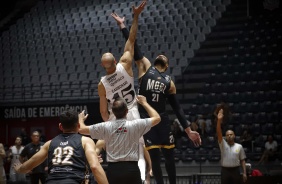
(160,136)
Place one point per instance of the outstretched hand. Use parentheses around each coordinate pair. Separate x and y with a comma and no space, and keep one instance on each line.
(195,138)
(118,19)
(82,116)
(140,8)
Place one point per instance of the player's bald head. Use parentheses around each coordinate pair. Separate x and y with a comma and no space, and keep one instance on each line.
(108,56)
(108,60)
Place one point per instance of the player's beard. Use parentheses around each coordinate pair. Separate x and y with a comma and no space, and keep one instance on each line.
(108,66)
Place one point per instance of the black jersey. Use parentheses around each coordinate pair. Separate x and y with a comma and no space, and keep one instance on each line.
(66,158)
(154,85)
(30,150)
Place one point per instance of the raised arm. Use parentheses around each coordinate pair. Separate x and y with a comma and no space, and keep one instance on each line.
(218,125)
(92,158)
(126,59)
(178,110)
(153,114)
(83,129)
(34,161)
(103,102)
(142,62)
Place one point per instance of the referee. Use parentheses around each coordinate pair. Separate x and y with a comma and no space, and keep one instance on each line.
(122,140)
(232,155)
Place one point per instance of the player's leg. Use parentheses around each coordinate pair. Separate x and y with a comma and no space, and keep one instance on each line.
(168,149)
(170,164)
(156,165)
(133,114)
(153,142)
(141,161)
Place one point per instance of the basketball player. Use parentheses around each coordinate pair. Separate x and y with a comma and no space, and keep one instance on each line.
(158,87)
(119,82)
(68,155)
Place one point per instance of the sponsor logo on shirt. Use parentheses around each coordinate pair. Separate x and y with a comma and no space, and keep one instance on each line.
(121,130)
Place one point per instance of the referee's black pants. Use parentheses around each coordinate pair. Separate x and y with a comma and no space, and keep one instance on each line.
(123,173)
(230,175)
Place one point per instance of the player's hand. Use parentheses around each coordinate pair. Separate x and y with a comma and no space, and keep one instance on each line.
(141,99)
(17,167)
(220,114)
(118,19)
(140,8)
(100,159)
(195,137)
(82,116)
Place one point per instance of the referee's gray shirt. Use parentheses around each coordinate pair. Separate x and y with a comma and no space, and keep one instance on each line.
(121,137)
(231,155)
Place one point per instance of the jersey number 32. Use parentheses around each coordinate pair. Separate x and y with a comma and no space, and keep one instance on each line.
(62,156)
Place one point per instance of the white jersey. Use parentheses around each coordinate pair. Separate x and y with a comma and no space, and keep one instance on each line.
(15,160)
(120,84)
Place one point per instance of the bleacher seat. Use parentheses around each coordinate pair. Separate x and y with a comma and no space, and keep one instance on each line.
(257,153)
(268,128)
(58,25)
(188,155)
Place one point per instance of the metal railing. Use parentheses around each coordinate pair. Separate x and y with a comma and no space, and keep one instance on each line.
(50,92)
(199,178)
